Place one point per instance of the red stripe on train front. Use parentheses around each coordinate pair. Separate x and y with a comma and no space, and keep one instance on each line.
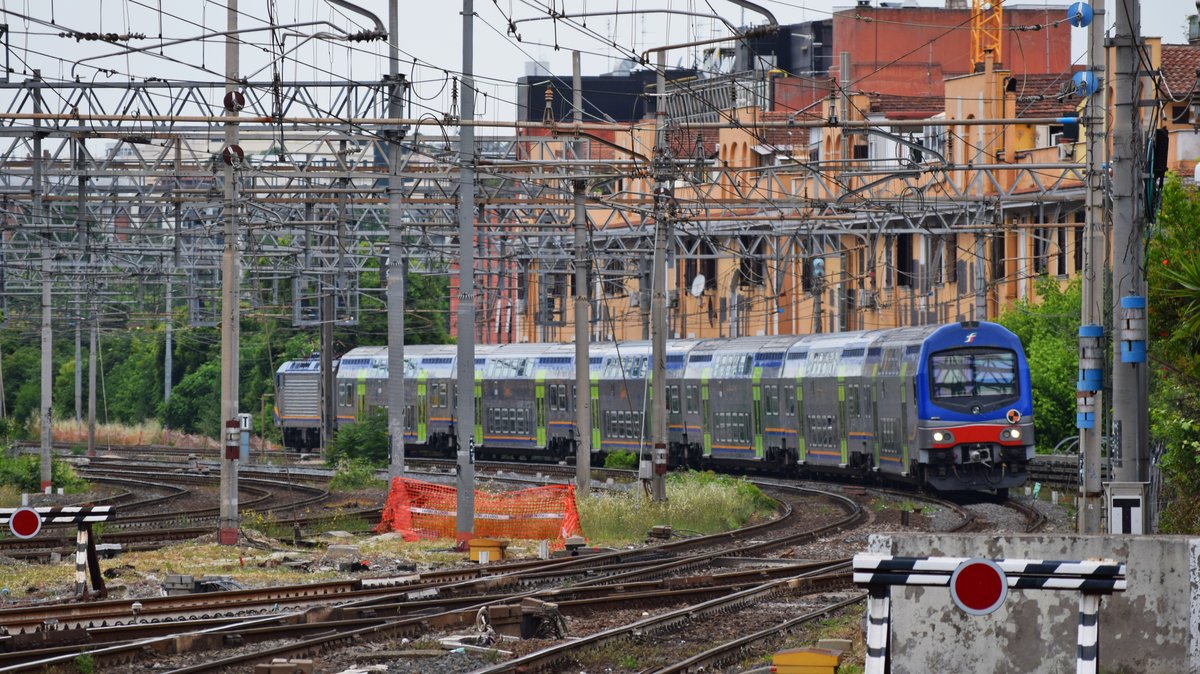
(979,433)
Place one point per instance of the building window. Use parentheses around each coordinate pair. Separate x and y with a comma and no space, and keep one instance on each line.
(904,260)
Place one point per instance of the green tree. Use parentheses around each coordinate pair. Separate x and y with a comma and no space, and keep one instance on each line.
(366,440)
(1173,278)
(1049,330)
(194,405)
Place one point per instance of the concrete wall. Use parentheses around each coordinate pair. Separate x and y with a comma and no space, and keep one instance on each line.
(1152,628)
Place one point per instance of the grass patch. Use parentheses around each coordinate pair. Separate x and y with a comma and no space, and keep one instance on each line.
(882,504)
(355,475)
(626,655)
(700,503)
(10,496)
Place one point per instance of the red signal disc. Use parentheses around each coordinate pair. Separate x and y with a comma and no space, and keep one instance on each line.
(978,586)
(25,523)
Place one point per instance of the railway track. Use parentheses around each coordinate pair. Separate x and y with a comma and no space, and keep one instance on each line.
(382,609)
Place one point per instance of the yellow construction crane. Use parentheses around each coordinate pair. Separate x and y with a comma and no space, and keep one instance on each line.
(987,24)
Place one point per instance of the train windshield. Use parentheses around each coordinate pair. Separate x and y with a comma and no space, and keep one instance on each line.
(968,376)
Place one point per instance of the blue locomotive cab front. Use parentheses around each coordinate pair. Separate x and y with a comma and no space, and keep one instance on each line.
(974,408)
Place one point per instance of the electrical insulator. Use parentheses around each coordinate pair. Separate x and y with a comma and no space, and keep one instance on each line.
(233,155)
(1133,329)
(234,101)
(1079,14)
(1091,374)
(1091,358)
(1085,409)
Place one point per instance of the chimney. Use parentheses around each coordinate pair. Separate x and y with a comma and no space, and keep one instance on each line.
(956,4)
(1194,29)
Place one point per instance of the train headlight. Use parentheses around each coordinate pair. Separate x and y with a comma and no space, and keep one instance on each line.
(942,437)
(1010,434)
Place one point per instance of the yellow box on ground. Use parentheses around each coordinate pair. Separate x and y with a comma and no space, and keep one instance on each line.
(493,548)
(806,661)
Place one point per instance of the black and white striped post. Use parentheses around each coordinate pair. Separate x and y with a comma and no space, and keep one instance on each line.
(28,522)
(979,586)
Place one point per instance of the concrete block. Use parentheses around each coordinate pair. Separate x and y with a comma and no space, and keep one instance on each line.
(1153,627)
(342,551)
(843,645)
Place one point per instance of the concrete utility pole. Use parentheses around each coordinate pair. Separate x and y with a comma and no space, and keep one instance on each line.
(78,374)
(230,522)
(328,382)
(664,176)
(397,263)
(465,520)
(1092,304)
(1129,445)
(39,219)
(93,346)
(583,398)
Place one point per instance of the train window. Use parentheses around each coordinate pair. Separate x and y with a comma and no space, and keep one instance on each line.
(673,399)
(961,375)
(771,400)
(445,394)
(790,393)
(343,394)
(553,397)
(747,364)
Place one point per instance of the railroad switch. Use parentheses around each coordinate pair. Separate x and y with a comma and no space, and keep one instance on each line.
(541,620)
(176,584)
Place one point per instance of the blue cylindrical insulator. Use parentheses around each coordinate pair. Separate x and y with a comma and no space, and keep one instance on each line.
(1133,329)
(1091,358)
(1085,407)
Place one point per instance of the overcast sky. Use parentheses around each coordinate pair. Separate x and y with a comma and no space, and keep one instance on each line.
(429,38)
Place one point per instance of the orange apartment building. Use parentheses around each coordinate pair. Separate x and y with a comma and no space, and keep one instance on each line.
(917,223)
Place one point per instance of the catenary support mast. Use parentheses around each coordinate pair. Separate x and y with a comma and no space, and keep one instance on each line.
(465,521)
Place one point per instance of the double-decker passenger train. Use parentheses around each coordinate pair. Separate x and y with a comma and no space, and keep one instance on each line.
(943,406)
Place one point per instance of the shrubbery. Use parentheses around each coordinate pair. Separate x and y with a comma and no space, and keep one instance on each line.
(366,440)
(698,503)
(621,460)
(25,473)
(355,475)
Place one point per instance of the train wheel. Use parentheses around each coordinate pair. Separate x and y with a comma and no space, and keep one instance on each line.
(1002,495)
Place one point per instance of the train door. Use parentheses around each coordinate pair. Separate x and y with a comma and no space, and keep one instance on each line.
(706,420)
(539,408)
(360,396)
(478,406)
(756,411)
(841,426)
(422,409)
(888,418)
(876,445)
(594,378)
(801,417)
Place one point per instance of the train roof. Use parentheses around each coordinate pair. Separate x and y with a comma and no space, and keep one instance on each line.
(312,365)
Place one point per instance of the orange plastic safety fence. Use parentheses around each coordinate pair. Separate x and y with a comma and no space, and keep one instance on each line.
(418,509)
